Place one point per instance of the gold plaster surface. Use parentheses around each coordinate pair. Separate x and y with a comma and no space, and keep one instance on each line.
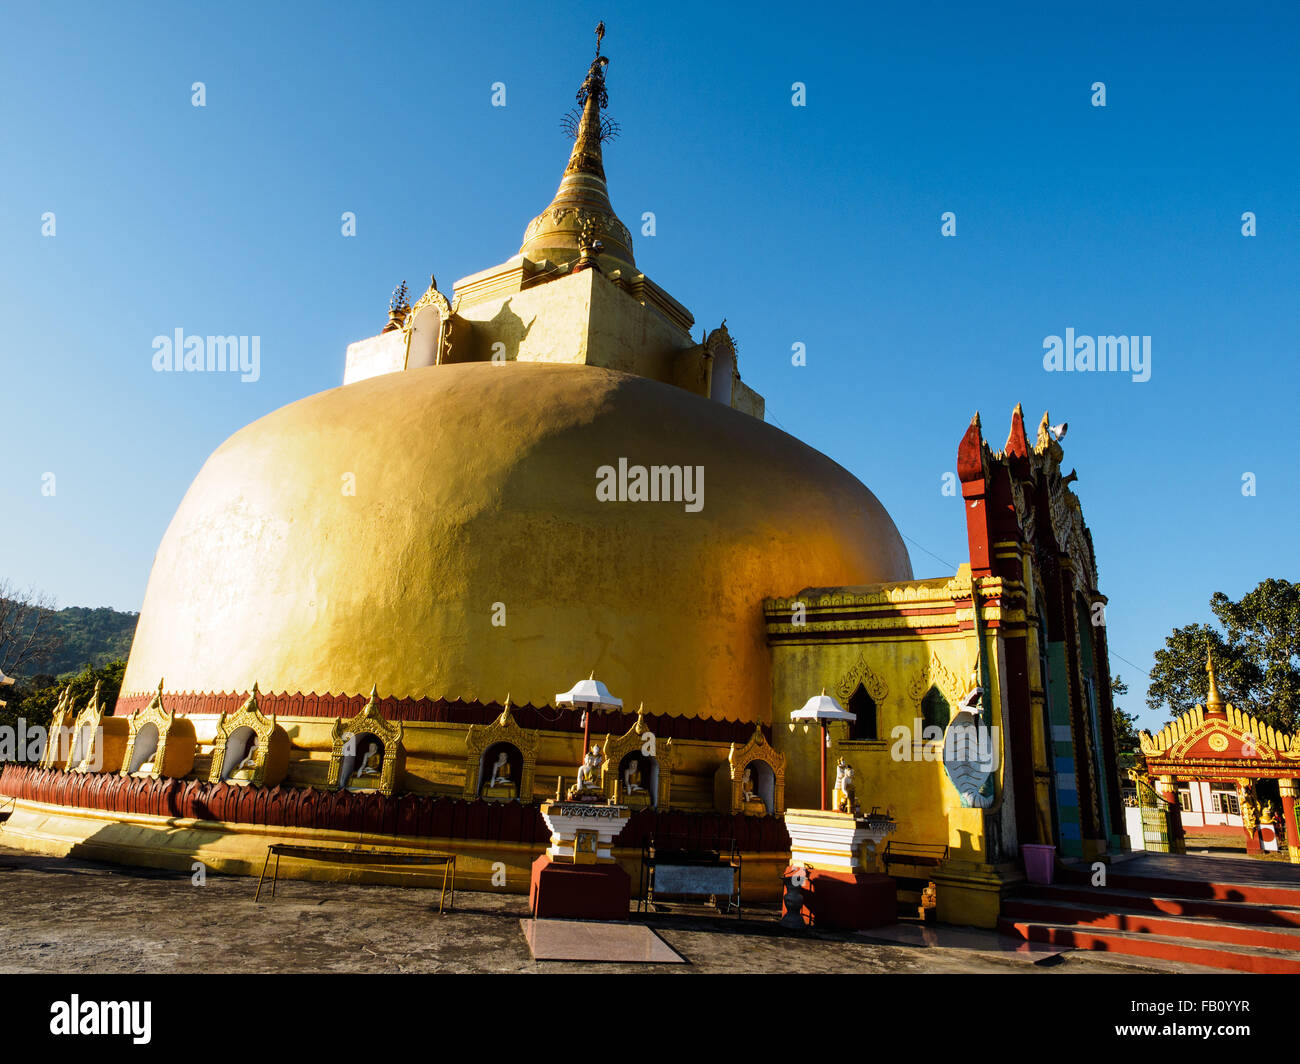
(476,484)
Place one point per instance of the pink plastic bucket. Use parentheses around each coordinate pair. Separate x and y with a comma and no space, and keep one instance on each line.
(1040,862)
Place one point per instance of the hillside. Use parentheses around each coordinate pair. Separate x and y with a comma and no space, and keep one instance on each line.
(86,635)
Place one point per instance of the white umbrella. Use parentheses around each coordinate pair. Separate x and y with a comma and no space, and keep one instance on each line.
(589,694)
(821,709)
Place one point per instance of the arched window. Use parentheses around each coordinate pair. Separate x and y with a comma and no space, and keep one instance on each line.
(935,710)
(866,727)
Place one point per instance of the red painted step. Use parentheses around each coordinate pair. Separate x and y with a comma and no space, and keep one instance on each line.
(1167,903)
(1224,890)
(1112,916)
(1139,944)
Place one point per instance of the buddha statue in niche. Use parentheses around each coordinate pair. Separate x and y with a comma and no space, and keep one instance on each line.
(634,791)
(245,770)
(368,772)
(146,769)
(750,803)
(499,784)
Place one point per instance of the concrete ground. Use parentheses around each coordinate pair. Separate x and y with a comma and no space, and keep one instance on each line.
(67,915)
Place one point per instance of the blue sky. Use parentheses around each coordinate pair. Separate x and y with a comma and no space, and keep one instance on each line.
(818,225)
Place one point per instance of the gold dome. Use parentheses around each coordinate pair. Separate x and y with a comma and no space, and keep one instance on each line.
(475,485)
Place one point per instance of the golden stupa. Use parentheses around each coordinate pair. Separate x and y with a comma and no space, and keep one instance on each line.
(436,528)
(544,477)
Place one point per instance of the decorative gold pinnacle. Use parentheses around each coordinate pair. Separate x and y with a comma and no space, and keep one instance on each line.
(1214,700)
(581,210)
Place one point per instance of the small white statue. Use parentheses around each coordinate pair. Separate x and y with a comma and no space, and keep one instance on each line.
(845,798)
(632,778)
(501,771)
(249,764)
(370,764)
(587,771)
(747,786)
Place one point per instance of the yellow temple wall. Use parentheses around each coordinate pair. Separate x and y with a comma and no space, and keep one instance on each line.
(917,792)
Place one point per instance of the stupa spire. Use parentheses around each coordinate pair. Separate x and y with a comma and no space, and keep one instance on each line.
(1213,700)
(580,214)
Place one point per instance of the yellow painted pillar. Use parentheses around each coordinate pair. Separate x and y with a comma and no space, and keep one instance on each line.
(1287,788)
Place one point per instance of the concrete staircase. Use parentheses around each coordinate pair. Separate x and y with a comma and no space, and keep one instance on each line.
(1224,914)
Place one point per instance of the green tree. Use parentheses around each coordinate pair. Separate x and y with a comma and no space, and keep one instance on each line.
(1126,736)
(1256,657)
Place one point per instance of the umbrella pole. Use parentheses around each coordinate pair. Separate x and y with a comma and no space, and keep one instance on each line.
(823,742)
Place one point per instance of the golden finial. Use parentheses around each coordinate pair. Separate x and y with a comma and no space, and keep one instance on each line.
(399,306)
(557,233)
(1213,700)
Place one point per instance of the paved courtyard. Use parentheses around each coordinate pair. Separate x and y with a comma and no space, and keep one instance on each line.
(73,916)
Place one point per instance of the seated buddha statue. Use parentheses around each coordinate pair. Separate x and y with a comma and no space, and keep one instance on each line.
(750,803)
(632,786)
(499,784)
(247,768)
(367,775)
(146,769)
(587,789)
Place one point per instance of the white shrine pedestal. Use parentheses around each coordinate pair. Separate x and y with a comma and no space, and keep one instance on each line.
(567,819)
(837,853)
(577,877)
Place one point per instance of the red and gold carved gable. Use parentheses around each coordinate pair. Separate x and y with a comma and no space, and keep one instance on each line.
(1216,739)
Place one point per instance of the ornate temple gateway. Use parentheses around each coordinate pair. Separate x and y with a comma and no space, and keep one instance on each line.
(367,600)
(1235,754)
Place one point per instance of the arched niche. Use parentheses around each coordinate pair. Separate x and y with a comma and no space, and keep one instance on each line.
(427,328)
(654,766)
(159,744)
(484,744)
(722,360)
(762,793)
(862,691)
(58,742)
(249,749)
(368,754)
(141,751)
(98,739)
